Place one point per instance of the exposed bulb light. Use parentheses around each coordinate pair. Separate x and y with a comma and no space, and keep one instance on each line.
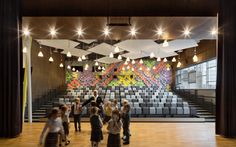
(173,59)
(40,54)
(140,68)
(50,59)
(132,69)
(168,68)
(195,58)
(99,68)
(119,57)
(165,44)
(86,65)
(79,59)
(24,50)
(123,68)
(126,63)
(96,63)
(128,67)
(148,69)
(133,62)
(73,69)
(68,67)
(68,54)
(158,59)
(83,57)
(165,60)
(77,71)
(61,65)
(152,55)
(26,32)
(154,67)
(111,55)
(103,68)
(128,59)
(179,64)
(141,61)
(117,49)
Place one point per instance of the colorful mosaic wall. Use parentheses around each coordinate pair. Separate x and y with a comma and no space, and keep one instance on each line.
(152,73)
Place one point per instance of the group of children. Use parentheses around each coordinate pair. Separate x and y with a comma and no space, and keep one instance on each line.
(58,124)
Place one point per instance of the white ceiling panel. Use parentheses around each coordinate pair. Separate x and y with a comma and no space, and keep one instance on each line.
(108,60)
(88,41)
(58,43)
(76,52)
(103,49)
(133,55)
(137,45)
(179,44)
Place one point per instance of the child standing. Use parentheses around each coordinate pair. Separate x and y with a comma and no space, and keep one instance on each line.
(65,112)
(76,111)
(96,127)
(54,127)
(114,127)
(115,105)
(126,123)
(108,111)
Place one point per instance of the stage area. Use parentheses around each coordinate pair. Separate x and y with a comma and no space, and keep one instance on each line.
(143,135)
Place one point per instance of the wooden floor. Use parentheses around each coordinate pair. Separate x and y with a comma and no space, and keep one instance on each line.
(143,135)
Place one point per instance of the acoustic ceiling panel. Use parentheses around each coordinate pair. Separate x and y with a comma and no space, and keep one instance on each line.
(108,60)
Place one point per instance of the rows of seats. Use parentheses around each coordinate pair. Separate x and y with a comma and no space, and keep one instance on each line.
(144,101)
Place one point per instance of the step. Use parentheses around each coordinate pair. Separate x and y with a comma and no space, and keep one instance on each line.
(201,110)
(203,113)
(206,116)
(40,110)
(38,113)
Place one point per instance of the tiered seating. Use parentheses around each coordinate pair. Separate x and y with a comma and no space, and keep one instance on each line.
(144,101)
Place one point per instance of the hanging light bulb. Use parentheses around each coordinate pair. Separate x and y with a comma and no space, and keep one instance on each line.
(73,69)
(148,69)
(158,59)
(99,68)
(77,71)
(140,68)
(123,68)
(79,59)
(40,54)
(173,59)
(68,54)
(86,65)
(61,65)
(96,63)
(168,68)
(152,55)
(128,67)
(165,60)
(103,68)
(141,61)
(154,67)
(133,62)
(50,59)
(111,55)
(195,58)
(24,50)
(68,67)
(165,43)
(132,69)
(126,63)
(117,49)
(128,59)
(83,57)
(119,57)
(179,64)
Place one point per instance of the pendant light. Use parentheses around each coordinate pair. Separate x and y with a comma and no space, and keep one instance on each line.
(148,69)
(165,60)
(128,59)
(154,67)
(68,54)
(123,68)
(179,63)
(152,55)
(111,55)
(128,67)
(195,58)
(140,68)
(99,68)
(158,59)
(119,57)
(61,64)
(173,59)
(165,44)
(83,57)
(50,59)
(141,61)
(103,68)
(132,69)
(73,69)
(68,67)
(133,62)
(96,63)
(40,54)
(126,63)
(79,59)
(117,49)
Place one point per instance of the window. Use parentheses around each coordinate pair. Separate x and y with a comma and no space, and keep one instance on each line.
(200,76)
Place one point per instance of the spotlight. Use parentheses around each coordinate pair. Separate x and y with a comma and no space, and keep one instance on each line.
(26,32)
(165,44)
(186,32)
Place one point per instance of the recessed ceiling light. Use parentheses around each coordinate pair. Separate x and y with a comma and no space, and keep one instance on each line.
(80,32)
(106,31)
(186,32)
(26,32)
(159,31)
(214,31)
(53,32)
(133,31)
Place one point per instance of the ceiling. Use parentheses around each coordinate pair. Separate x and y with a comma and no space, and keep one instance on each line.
(145,26)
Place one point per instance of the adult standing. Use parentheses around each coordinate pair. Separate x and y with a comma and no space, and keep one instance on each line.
(76,111)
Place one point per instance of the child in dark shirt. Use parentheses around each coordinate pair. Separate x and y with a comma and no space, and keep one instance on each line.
(126,123)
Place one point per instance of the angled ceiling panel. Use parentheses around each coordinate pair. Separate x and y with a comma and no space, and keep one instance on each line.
(108,60)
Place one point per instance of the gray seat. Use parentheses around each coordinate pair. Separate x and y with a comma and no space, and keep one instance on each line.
(138,110)
(173,104)
(179,104)
(159,110)
(160,104)
(155,104)
(149,104)
(173,111)
(146,110)
(132,110)
(168,104)
(186,110)
(152,110)
(180,111)
(166,111)
(193,111)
